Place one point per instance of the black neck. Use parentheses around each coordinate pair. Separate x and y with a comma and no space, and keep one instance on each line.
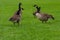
(19,9)
(38,9)
(18,12)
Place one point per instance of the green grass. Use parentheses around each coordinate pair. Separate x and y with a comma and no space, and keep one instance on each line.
(30,28)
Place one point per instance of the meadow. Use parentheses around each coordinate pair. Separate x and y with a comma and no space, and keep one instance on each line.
(30,28)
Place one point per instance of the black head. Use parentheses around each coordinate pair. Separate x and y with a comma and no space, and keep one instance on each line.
(20,5)
(20,8)
(38,8)
(35,5)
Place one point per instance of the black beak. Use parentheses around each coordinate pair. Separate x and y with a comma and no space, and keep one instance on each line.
(34,15)
(22,8)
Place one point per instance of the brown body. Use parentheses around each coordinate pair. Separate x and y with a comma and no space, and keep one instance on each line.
(17,16)
(42,16)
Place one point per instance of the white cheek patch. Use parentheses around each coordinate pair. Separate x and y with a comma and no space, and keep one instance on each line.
(38,15)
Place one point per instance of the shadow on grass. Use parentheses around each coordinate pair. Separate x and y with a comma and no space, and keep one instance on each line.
(9,25)
(47,23)
(53,22)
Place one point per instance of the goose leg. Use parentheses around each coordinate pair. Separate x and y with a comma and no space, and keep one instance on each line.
(18,22)
(14,23)
(45,21)
(42,21)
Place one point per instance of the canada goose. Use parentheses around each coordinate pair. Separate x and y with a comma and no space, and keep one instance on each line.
(41,16)
(17,16)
